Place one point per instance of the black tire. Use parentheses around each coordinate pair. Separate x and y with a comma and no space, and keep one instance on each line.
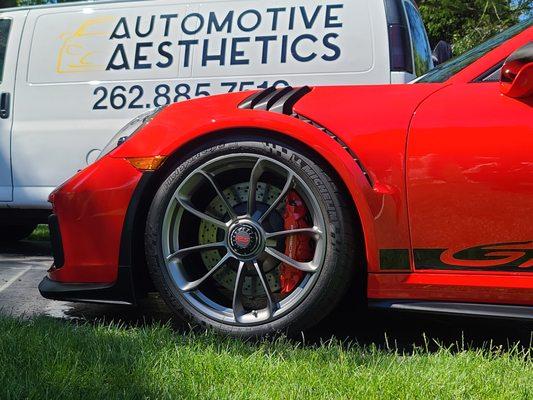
(15,233)
(338,268)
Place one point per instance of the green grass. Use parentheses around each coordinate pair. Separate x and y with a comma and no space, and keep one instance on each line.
(46,358)
(41,234)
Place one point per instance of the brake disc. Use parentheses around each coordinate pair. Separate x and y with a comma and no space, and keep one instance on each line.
(237,197)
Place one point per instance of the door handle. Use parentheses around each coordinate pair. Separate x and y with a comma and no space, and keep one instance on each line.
(5,103)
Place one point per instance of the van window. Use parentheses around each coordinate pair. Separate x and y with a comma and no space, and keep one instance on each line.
(5,25)
(421,49)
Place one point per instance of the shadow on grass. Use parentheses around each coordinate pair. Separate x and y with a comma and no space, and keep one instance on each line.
(401,331)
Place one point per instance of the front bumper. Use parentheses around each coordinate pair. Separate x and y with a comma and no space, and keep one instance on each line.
(91,233)
(120,292)
(90,213)
(56,242)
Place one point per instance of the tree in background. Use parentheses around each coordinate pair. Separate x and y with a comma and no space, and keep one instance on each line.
(465,24)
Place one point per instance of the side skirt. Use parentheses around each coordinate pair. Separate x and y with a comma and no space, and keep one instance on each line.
(449,308)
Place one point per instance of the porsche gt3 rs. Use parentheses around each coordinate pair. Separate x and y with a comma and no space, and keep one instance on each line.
(255,212)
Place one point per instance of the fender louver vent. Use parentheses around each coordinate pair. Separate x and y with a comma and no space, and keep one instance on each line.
(279,100)
(339,141)
(282,101)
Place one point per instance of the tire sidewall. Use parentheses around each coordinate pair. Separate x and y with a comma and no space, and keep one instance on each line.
(319,300)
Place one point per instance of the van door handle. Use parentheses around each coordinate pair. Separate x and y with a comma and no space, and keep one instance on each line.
(5,101)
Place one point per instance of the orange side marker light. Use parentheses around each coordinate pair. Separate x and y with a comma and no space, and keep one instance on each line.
(147,163)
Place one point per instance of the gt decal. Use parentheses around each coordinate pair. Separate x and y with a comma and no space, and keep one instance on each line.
(515,256)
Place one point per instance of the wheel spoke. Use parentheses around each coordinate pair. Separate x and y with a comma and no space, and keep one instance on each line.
(283,193)
(188,250)
(307,231)
(266,288)
(186,204)
(256,173)
(195,284)
(207,194)
(238,308)
(302,266)
(211,180)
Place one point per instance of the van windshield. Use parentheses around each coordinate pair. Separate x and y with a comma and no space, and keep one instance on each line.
(446,70)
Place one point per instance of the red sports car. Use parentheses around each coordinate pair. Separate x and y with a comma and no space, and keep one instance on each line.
(256,212)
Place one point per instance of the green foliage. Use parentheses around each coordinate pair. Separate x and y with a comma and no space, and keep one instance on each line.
(465,24)
(41,234)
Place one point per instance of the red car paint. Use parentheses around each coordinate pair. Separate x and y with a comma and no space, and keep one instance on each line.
(91,208)
(450,165)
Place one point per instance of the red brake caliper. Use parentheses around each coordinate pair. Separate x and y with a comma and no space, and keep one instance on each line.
(297,247)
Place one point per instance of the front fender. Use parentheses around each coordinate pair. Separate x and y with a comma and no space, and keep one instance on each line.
(180,124)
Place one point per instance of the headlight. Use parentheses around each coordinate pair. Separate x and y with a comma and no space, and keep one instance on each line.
(129,130)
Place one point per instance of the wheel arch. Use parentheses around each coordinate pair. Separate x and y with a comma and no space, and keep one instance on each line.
(132,243)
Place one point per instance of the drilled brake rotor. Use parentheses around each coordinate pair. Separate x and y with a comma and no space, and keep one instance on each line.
(237,197)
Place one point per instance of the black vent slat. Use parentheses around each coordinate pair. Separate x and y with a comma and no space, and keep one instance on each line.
(267,102)
(280,100)
(287,102)
(254,99)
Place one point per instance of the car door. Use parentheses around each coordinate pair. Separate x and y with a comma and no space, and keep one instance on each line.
(470,189)
(10,31)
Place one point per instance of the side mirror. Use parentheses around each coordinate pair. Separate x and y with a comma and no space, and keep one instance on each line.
(517,73)
(442,52)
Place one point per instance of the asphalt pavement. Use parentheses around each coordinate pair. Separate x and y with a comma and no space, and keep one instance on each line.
(23,265)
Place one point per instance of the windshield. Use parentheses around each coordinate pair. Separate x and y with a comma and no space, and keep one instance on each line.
(445,71)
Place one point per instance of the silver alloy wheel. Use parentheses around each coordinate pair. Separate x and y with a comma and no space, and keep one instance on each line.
(240,236)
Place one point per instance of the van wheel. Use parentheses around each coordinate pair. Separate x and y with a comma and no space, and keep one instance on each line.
(250,238)
(14,233)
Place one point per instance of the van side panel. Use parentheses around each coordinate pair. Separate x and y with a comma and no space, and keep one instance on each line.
(11,27)
(88,69)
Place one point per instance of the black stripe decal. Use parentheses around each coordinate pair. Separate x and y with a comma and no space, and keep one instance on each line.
(508,257)
(504,257)
(394,259)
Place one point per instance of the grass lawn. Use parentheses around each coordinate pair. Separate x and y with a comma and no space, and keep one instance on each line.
(46,358)
(41,233)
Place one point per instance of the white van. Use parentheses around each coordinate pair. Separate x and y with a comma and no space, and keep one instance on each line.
(73,74)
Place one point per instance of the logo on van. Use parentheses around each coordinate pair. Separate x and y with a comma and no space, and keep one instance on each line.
(76,53)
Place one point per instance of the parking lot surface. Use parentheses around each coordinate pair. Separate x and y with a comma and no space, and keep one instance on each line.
(22,266)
